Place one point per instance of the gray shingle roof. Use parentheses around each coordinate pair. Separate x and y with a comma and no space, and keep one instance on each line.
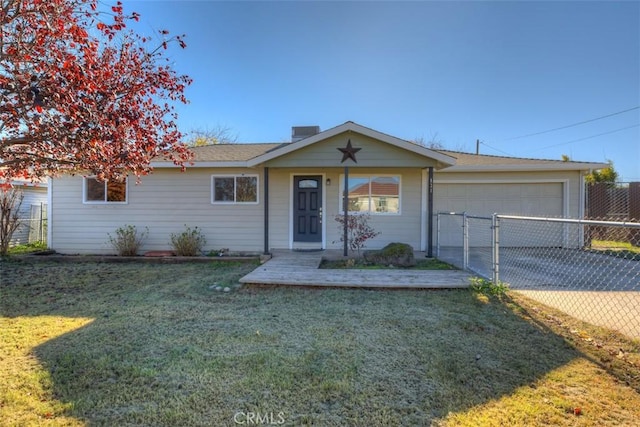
(230,152)
(469,159)
(223,153)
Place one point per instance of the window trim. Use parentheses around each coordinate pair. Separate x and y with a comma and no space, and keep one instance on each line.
(235,177)
(103,202)
(370,177)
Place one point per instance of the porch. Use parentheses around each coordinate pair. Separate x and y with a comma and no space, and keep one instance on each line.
(296,268)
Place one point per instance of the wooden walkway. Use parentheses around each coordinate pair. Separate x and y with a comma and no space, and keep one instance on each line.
(301,269)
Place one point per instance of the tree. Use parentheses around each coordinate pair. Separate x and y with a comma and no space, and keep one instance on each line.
(79,92)
(607,174)
(434,142)
(211,136)
(10,202)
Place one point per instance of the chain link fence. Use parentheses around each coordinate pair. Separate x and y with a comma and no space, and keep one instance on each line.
(563,263)
(465,241)
(33,228)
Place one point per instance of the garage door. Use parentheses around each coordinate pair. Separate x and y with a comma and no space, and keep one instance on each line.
(531,199)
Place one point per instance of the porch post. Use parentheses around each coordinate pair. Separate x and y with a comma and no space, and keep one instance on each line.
(266,210)
(430,213)
(345,206)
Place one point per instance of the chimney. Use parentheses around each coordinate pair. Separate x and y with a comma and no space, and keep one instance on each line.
(301,132)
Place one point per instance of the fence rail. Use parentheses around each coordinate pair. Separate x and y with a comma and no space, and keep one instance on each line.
(555,260)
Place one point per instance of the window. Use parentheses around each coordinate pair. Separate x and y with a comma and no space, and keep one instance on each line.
(373,194)
(234,189)
(96,191)
(308,183)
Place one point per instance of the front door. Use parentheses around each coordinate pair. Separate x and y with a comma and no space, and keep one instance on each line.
(307,208)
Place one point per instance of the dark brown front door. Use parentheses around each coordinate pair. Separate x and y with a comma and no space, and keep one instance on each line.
(307,208)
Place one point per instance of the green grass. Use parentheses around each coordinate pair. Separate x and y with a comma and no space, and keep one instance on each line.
(618,249)
(27,248)
(614,245)
(421,264)
(154,345)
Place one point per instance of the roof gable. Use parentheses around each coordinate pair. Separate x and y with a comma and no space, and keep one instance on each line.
(439,160)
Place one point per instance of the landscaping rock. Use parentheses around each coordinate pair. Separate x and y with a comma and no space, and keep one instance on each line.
(394,254)
(227,289)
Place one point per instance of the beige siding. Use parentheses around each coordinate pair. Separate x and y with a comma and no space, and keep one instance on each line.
(167,200)
(164,202)
(394,228)
(373,153)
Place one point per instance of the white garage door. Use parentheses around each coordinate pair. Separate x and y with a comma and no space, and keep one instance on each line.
(531,199)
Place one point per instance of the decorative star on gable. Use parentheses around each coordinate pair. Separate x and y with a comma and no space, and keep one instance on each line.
(349,152)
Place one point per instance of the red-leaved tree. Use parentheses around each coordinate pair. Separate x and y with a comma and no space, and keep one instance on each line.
(81,92)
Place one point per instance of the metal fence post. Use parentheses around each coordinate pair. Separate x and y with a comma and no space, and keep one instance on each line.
(437,235)
(41,238)
(495,244)
(465,241)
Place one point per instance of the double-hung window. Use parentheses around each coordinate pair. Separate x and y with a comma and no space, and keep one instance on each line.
(234,189)
(97,192)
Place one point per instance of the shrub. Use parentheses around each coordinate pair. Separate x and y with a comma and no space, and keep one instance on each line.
(188,243)
(127,241)
(488,288)
(359,231)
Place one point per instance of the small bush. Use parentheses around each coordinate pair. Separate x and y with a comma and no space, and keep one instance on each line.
(358,231)
(188,243)
(127,241)
(487,287)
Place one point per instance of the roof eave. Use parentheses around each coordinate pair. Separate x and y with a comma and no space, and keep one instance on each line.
(197,164)
(525,168)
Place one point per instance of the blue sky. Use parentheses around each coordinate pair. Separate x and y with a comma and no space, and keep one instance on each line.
(453,71)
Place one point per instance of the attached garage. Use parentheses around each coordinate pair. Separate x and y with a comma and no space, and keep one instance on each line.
(533,199)
(482,185)
(484,199)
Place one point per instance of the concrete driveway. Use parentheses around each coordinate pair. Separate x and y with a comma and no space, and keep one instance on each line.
(597,288)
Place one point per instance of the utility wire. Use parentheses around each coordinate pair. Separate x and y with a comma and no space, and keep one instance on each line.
(588,137)
(572,125)
(496,149)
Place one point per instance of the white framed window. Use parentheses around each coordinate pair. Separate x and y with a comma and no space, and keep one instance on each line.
(234,189)
(95,191)
(373,194)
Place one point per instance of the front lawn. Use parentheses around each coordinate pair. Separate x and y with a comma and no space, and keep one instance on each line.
(155,344)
